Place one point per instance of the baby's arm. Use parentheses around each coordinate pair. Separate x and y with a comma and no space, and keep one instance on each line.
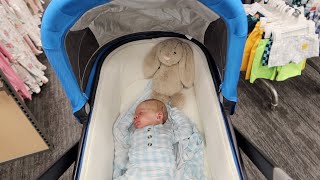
(121,132)
(120,160)
(121,137)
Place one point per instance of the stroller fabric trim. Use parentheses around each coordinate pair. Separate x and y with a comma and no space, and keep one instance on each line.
(61,15)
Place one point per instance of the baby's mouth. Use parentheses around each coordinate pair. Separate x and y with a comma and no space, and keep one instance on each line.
(136,123)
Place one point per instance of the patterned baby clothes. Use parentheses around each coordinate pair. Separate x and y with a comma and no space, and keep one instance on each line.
(266,53)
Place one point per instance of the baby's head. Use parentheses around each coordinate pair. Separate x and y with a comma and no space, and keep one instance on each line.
(150,112)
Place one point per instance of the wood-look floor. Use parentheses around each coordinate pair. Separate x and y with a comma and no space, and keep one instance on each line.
(290,134)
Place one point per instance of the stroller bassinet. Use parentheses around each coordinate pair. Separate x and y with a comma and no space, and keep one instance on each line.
(96,48)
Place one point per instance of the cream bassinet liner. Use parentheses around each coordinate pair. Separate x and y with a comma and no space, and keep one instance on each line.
(121,82)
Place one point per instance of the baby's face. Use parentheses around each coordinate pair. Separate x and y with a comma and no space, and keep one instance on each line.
(144,116)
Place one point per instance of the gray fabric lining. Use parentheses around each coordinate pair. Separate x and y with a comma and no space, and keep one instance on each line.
(122,17)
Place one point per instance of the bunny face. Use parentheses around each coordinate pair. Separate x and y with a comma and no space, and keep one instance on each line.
(163,60)
(170,52)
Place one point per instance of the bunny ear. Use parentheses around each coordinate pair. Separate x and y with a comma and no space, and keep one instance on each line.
(151,62)
(186,66)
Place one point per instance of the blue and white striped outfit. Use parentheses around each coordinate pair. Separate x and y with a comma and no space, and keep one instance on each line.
(170,151)
(151,152)
(151,149)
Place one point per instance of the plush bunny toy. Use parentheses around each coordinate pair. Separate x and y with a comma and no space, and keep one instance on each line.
(170,64)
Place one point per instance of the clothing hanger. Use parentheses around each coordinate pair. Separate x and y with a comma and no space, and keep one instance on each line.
(277,8)
(296,24)
(290,23)
(271,17)
(303,27)
(272,6)
(256,7)
(282,20)
(298,30)
(287,12)
(282,7)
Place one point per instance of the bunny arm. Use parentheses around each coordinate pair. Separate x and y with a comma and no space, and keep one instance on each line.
(186,67)
(151,63)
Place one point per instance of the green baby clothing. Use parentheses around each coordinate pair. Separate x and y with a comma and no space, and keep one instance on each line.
(289,70)
(258,70)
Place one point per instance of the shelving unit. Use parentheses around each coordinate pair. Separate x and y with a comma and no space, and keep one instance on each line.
(19,133)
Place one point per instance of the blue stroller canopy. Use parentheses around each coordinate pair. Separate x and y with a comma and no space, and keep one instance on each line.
(60,16)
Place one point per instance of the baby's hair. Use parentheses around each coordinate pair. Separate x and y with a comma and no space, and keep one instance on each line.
(157,106)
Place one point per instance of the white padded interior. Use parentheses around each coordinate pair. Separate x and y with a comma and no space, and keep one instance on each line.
(121,82)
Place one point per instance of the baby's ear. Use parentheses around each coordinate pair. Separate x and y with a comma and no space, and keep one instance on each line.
(160,116)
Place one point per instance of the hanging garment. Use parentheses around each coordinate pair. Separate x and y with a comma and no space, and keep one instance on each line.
(258,70)
(252,21)
(18,48)
(20,26)
(266,52)
(269,51)
(298,2)
(13,78)
(13,38)
(252,54)
(280,73)
(253,36)
(314,16)
(293,49)
(35,6)
(26,77)
(30,22)
(289,70)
